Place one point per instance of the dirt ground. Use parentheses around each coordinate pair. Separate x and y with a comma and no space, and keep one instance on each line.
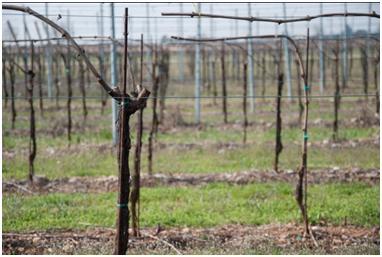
(231,239)
(110,183)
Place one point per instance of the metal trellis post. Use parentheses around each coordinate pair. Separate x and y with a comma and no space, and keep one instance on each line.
(197,71)
(48,53)
(287,57)
(181,51)
(322,60)
(114,76)
(345,51)
(250,65)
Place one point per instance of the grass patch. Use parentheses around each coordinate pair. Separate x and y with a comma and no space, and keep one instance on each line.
(205,206)
(260,157)
(207,159)
(196,160)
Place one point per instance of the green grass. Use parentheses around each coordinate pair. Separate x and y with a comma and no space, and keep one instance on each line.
(260,135)
(208,159)
(190,135)
(261,157)
(73,164)
(205,206)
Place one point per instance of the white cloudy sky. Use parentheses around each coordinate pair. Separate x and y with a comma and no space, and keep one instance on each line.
(167,26)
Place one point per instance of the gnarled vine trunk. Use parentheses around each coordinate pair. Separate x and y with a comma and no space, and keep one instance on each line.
(32,136)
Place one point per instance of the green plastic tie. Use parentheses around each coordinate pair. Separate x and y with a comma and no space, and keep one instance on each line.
(125,102)
(306,135)
(122,205)
(306,87)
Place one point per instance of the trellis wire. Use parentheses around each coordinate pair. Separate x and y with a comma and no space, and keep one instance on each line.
(200,97)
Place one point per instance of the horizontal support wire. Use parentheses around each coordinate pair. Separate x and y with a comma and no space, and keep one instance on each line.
(97,37)
(194,97)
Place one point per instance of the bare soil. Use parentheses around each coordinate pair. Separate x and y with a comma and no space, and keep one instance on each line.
(110,183)
(230,239)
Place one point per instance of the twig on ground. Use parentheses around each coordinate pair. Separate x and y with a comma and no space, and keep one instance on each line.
(19,187)
(163,241)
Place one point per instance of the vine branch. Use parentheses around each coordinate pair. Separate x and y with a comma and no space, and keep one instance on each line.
(278,21)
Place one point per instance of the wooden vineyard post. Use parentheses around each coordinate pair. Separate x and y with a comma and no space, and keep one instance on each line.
(278,145)
(204,71)
(213,70)
(350,58)
(337,96)
(365,71)
(163,73)
(5,82)
(25,59)
(245,124)
(263,70)
(40,71)
(122,236)
(32,139)
(39,79)
(57,72)
(82,87)
(67,62)
(135,190)
(301,187)
(209,72)
(101,60)
(12,80)
(128,108)
(376,79)
(236,64)
(123,182)
(224,87)
(311,65)
(88,81)
(300,104)
(154,124)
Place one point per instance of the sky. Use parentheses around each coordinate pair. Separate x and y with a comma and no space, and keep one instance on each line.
(145,18)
